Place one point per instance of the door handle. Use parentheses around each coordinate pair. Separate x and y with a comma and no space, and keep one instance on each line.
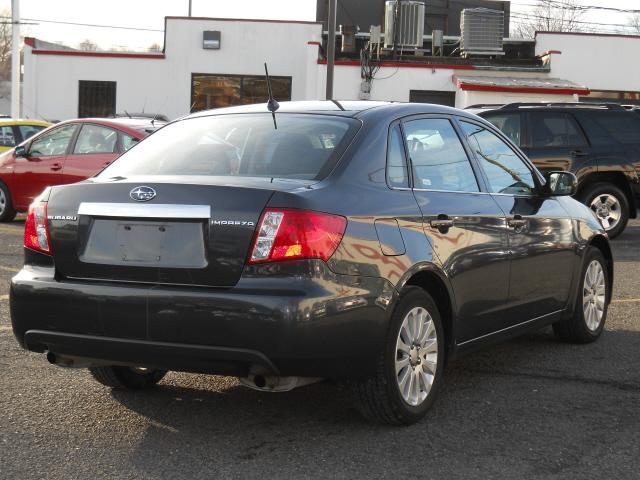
(578,153)
(56,166)
(517,222)
(442,223)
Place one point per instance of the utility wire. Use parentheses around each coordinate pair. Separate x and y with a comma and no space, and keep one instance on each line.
(86,24)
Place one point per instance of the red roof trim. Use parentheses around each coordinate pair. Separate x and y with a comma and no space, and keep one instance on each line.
(551,52)
(356,63)
(259,20)
(312,42)
(31,41)
(585,34)
(74,53)
(546,90)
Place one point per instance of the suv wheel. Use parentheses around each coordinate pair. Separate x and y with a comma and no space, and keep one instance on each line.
(7,213)
(127,377)
(610,205)
(591,305)
(409,370)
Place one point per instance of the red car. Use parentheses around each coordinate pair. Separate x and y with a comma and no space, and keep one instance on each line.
(67,152)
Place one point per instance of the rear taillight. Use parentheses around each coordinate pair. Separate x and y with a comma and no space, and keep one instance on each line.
(294,234)
(36,229)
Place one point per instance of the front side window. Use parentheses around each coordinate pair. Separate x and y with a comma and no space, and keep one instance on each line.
(438,159)
(7,139)
(506,172)
(245,145)
(53,142)
(553,129)
(509,123)
(397,174)
(96,139)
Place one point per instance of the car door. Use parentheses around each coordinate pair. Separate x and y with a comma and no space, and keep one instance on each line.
(541,241)
(555,141)
(42,164)
(464,225)
(96,146)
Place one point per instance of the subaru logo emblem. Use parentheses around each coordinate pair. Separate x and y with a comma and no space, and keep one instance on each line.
(142,194)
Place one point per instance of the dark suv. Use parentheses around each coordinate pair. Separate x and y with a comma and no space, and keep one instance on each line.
(599,143)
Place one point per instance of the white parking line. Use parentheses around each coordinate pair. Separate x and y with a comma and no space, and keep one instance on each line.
(626,300)
(4,297)
(5,328)
(9,269)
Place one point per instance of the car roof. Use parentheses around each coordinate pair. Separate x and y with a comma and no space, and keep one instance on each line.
(23,121)
(138,127)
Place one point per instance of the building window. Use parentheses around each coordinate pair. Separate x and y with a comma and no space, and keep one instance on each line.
(215,91)
(97,99)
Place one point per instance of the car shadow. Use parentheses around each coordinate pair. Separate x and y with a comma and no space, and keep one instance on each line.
(530,398)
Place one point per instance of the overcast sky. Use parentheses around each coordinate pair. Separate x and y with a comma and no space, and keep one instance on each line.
(149,14)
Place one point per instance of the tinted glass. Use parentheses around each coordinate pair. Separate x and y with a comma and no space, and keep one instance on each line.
(246,145)
(7,139)
(552,129)
(438,159)
(128,141)
(96,139)
(28,131)
(622,126)
(397,174)
(53,142)
(509,123)
(506,172)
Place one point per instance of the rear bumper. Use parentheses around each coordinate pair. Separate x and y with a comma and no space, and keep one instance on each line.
(319,324)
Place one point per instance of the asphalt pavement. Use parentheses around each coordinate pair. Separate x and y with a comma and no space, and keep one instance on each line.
(530,408)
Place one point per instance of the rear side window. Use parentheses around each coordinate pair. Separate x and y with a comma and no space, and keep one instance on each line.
(509,123)
(624,127)
(438,160)
(304,146)
(96,139)
(397,174)
(553,129)
(506,171)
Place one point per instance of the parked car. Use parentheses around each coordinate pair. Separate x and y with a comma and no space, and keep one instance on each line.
(151,116)
(599,143)
(364,241)
(13,132)
(65,153)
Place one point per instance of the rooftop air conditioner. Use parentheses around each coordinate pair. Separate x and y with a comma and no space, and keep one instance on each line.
(406,26)
(482,32)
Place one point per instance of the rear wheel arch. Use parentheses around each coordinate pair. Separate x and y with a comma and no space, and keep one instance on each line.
(436,286)
(601,243)
(619,179)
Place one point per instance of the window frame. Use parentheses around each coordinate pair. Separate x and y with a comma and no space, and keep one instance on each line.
(538,179)
(480,180)
(70,146)
(570,115)
(392,126)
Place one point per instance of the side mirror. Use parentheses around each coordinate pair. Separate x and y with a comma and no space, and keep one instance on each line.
(20,151)
(561,184)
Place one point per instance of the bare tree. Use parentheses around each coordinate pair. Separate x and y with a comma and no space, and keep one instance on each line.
(634,23)
(5,46)
(155,48)
(88,46)
(550,16)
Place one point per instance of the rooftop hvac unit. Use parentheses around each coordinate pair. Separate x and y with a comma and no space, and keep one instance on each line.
(482,32)
(406,26)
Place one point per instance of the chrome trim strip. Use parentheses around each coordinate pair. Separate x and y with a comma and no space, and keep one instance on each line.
(145,210)
(509,328)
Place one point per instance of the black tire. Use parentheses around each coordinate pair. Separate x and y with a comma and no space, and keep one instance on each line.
(575,329)
(379,398)
(592,192)
(125,378)
(7,212)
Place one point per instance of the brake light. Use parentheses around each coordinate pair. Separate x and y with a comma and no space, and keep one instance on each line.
(294,234)
(36,230)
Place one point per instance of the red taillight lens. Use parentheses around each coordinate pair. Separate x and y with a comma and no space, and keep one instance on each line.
(36,229)
(294,234)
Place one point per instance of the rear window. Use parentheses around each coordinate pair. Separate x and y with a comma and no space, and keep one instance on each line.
(246,145)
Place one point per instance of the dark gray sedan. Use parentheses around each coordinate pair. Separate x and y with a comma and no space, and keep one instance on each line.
(364,241)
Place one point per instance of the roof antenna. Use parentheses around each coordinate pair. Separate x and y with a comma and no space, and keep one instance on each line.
(272,105)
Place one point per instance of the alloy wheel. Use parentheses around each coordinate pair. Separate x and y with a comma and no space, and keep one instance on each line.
(3,202)
(593,295)
(608,209)
(416,356)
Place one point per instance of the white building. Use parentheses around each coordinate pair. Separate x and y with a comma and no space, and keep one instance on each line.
(65,83)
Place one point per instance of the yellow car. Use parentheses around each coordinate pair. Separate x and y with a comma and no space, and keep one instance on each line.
(14,132)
